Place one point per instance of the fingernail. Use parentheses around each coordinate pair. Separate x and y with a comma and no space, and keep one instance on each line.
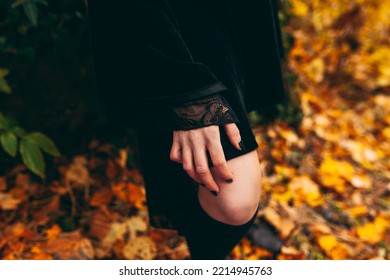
(229,180)
(214,193)
(242,146)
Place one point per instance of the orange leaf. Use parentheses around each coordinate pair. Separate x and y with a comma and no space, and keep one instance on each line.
(53,232)
(102,197)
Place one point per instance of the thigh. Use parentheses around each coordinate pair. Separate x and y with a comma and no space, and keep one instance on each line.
(237,201)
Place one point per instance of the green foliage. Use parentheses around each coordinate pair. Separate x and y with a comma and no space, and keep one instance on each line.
(30,145)
(30,9)
(35,38)
(43,142)
(4,86)
(9,143)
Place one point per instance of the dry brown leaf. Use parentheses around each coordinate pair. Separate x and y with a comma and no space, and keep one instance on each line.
(44,212)
(280,215)
(3,184)
(100,222)
(77,175)
(70,246)
(102,197)
(112,169)
(140,248)
(8,202)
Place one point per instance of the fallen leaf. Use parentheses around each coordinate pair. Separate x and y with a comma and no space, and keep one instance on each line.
(53,232)
(334,249)
(70,246)
(140,248)
(132,193)
(373,232)
(3,184)
(102,197)
(8,202)
(77,175)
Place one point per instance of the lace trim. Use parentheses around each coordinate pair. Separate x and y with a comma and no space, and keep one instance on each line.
(210,110)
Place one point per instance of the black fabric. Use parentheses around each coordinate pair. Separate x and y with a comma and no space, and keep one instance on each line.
(153,55)
(160,52)
(210,239)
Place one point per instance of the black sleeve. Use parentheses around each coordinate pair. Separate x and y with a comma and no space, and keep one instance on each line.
(177,88)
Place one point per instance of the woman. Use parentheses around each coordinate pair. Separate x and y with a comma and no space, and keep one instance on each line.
(184,74)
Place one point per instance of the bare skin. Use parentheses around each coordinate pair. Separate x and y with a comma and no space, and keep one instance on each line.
(236,201)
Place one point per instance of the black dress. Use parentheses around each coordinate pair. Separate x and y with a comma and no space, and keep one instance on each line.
(165,65)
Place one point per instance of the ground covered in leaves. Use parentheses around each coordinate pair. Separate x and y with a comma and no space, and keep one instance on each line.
(326,188)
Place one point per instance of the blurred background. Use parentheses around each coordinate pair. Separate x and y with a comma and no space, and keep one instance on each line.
(70,184)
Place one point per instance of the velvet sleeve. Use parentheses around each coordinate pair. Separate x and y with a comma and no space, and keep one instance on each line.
(176,87)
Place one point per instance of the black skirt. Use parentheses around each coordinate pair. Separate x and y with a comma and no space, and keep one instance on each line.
(168,187)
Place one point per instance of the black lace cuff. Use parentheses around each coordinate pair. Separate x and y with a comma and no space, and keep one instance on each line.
(206,111)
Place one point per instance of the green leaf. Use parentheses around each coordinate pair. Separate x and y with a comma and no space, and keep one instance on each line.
(31,11)
(20,132)
(3,121)
(4,86)
(9,143)
(44,142)
(17,3)
(32,156)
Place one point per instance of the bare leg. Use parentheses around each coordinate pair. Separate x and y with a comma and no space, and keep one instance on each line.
(218,223)
(236,202)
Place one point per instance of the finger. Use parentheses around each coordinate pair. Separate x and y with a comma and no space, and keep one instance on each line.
(188,164)
(203,170)
(176,153)
(234,135)
(217,156)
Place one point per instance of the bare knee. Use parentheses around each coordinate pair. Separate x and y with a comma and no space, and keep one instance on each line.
(235,207)
(239,211)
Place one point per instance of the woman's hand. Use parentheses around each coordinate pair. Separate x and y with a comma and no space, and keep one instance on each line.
(189,148)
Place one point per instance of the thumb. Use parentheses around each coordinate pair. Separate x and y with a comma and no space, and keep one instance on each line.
(234,135)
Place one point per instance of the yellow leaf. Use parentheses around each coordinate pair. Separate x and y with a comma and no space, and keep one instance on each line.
(305,190)
(299,8)
(357,211)
(285,196)
(386,132)
(334,249)
(334,173)
(315,70)
(285,171)
(373,232)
